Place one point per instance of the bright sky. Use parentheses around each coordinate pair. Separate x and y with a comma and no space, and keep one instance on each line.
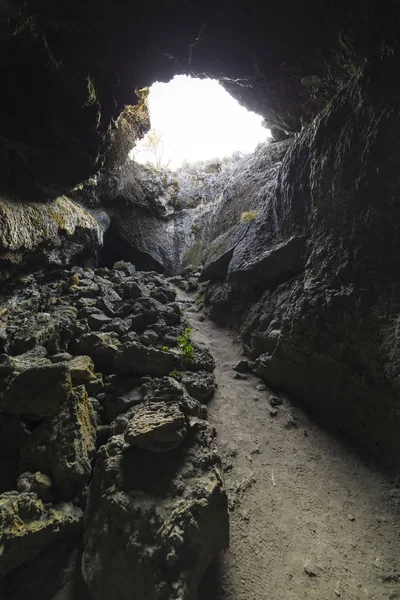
(198,120)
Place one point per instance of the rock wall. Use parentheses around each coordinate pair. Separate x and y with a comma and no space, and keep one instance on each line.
(59,233)
(313,283)
(166,220)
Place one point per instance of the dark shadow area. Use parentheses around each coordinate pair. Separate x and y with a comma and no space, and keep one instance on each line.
(115,248)
(149,472)
(9,460)
(55,573)
(211,585)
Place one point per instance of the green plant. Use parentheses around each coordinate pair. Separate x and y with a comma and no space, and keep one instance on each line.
(175,374)
(184,344)
(248,216)
(165,348)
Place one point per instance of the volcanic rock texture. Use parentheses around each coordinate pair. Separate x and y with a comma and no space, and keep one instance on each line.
(106,454)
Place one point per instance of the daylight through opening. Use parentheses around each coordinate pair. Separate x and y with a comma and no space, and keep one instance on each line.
(194,120)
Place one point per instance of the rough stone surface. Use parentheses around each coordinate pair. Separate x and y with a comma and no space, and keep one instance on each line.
(101,347)
(179,519)
(27,527)
(200,385)
(48,445)
(64,446)
(157,427)
(57,233)
(133,357)
(82,370)
(37,483)
(314,284)
(39,391)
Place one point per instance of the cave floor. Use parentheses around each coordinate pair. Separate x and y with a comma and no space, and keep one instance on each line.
(309,517)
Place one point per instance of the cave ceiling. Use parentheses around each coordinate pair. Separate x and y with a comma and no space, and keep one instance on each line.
(69,68)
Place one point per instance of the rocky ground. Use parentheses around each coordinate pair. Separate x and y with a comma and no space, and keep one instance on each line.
(114,482)
(110,476)
(309,517)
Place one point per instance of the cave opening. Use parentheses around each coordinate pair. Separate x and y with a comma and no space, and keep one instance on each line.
(195,120)
(201,141)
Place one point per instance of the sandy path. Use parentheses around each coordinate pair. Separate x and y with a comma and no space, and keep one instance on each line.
(309,518)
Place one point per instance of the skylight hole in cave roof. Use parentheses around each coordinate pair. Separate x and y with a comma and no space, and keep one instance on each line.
(194,120)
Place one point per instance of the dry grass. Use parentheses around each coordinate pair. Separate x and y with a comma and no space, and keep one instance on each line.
(248,216)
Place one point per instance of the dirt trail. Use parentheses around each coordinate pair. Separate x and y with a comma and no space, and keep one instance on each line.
(309,518)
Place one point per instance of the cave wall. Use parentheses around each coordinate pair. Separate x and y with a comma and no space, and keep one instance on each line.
(52,235)
(314,283)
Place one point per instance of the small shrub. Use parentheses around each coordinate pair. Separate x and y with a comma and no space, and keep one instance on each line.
(165,348)
(248,216)
(185,346)
(175,374)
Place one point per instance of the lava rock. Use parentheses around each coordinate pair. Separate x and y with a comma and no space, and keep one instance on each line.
(64,446)
(27,527)
(157,427)
(36,483)
(243,366)
(101,347)
(240,376)
(82,370)
(126,267)
(154,521)
(120,403)
(39,391)
(96,321)
(200,385)
(202,360)
(134,357)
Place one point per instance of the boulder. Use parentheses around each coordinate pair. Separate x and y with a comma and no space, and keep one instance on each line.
(243,366)
(50,329)
(120,401)
(98,321)
(38,391)
(37,483)
(200,385)
(63,447)
(133,357)
(156,426)
(256,264)
(27,527)
(154,521)
(217,256)
(33,358)
(82,370)
(125,267)
(202,360)
(56,233)
(101,347)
